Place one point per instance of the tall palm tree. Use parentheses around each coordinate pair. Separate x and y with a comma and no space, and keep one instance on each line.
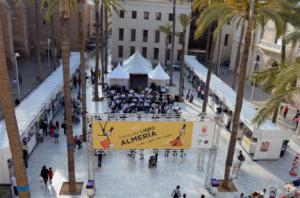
(96,91)
(37,40)
(173,43)
(105,40)
(284,89)
(14,138)
(185,21)
(102,43)
(66,7)
(82,66)
(225,12)
(167,30)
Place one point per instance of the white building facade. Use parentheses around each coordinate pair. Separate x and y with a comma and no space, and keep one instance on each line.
(135,28)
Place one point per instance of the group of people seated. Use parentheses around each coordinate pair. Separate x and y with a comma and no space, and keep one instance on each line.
(154,100)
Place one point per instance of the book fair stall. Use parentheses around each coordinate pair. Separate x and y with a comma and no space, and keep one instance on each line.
(30,111)
(261,143)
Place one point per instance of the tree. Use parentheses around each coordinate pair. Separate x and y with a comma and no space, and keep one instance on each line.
(284,89)
(102,44)
(14,138)
(185,21)
(82,66)
(173,43)
(37,40)
(96,91)
(105,40)
(167,30)
(224,12)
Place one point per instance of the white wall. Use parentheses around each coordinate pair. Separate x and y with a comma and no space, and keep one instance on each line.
(165,7)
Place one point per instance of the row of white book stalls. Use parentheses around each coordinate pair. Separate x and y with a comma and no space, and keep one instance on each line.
(40,105)
(266,142)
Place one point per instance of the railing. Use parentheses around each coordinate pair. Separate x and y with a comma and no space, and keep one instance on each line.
(270,45)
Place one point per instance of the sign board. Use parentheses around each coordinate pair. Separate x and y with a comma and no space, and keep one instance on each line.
(122,135)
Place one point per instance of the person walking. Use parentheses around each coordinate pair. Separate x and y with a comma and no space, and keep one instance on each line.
(285,111)
(242,195)
(176,192)
(241,159)
(184,195)
(63,126)
(25,157)
(14,184)
(188,95)
(156,154)
(57,124)
(191,97)
(56,135)
(44,175)
(50,175)
(100,158)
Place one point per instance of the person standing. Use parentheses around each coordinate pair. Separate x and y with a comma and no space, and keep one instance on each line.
(184,195)
(100,159)
(25,157)
(63,126)
(56,135)
(241,159)
(57,124)
(285,111)
(156,154)
(202,196)
(14,184)
(188,95)
(44,175)
(50,175)
(176,192)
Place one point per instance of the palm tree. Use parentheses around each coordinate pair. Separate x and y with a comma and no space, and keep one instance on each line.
(6,100)
(82,66)
(66,6)
(223,13)
(37,41)
(167,30)
(185,21)
(105,40)
(96,96)
(284,89)
(102,44)
(173,43)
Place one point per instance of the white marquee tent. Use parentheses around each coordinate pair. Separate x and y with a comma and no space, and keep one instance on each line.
(118,77)
(137,64)
(158,76)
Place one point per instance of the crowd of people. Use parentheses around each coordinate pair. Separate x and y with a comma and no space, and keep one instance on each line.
(154,99)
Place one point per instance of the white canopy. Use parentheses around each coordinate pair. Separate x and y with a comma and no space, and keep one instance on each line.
(137,64)
(159,73)
(118,73)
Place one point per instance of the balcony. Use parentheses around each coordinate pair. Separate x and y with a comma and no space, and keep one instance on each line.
(270,46)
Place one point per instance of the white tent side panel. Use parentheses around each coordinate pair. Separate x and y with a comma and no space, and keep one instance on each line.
(119,82)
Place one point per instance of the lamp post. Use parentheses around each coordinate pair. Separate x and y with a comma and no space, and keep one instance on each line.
(49,66)
(17,75)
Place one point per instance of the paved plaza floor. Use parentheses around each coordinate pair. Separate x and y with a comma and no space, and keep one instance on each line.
(120,176)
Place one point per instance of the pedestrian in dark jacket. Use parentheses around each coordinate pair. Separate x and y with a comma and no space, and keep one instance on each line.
(44,175)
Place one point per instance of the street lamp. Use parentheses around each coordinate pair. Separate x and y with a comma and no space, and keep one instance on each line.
(256,65)
(49,66)
(17,75)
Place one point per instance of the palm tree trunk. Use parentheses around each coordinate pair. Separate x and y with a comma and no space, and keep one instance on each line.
(11,122)
(166,51)
(106,40)
(65,46)
(96,97)
(237,59)
(82,68)
(102,44)
(37,42)
(209,68)
(173,43)
(53,44)
(238,104)
(219,54)
(181,79)
(283,57)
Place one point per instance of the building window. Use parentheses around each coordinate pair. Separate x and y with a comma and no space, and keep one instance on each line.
(178,55)
(121,34)
(170,39)
(122,14)
(145,35)
(132,50)
(120,53)
(157,37)
(168,54)
(171,17)
(132,37)
(146,15)
(226,39)
(144,52)
(133,14)
(180,38)
(158,16)
(156,52)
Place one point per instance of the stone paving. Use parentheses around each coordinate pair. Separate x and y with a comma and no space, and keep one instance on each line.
(126,178)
